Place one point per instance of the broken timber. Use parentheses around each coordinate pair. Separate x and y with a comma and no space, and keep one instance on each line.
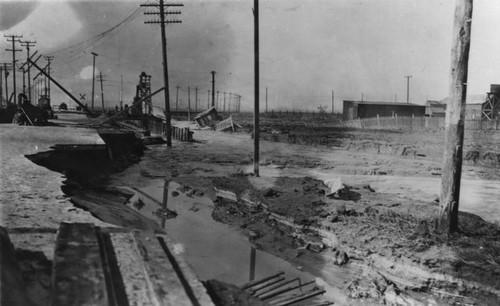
(103,266)
(227,124)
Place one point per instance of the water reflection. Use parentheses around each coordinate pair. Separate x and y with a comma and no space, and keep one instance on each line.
(213,249)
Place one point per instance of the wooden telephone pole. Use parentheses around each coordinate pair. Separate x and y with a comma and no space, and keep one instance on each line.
(196,99)
(266,99)
(455,115)
(224,105)
(161,5)
(333,99)
(93,78)
(408,88)
(256,89)
(28,44)
(213,88)
(13,39)
(101,80)
(6,67)
(189,103)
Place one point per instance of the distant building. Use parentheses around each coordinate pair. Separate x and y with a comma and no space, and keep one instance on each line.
(485,106)
(370,109)
(474,111)
(435,109)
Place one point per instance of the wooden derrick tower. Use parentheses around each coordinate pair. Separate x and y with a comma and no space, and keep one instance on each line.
(143,89)
(491,108)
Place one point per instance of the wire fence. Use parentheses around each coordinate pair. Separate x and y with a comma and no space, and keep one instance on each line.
(406,122)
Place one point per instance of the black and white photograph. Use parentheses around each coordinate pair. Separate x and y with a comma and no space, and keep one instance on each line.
(249,152)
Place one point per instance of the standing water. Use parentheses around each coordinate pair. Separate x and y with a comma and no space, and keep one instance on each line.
(213,249)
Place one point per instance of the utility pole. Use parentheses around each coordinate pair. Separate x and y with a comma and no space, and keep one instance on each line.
(161,5)
(28,44)
(40,82)
(101,79)
(189,103)
(407,88)
(333,100)
(213,88)
(177,99)
(229,104)
(224,105)
(455,115)
(49,60)
(208,99)
(93,78)
(121,92)
(266,99)
(13,39)
(1,86)
(256,89)
(196,99)
(24,79)
(218,104)
(6,73)
(28,70)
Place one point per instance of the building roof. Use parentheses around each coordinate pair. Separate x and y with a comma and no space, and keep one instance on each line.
(383,103)
(435,103)
(470,99)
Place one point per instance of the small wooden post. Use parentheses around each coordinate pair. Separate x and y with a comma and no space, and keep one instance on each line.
(455,115)
(165,195)
(252,263)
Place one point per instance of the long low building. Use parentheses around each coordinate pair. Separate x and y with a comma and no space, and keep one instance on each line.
(370,109)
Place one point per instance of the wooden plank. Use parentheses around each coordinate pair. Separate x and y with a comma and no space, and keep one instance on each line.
(12,289)
(162,278)
(78,275)
(114,280)
(198,290)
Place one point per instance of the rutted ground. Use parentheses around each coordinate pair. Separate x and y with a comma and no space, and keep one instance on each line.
(378,246)
(384,242)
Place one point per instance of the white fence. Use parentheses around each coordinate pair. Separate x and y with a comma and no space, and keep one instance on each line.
(417,123)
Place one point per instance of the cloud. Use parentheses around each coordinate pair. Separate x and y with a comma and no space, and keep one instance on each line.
(51,24)
(86,73)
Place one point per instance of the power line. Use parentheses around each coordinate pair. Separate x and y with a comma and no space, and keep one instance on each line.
(88,43)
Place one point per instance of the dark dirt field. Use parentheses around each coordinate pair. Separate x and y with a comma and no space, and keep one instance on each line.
(378,247)
(386,242)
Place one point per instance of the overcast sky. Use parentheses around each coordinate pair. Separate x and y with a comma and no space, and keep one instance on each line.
(308,48)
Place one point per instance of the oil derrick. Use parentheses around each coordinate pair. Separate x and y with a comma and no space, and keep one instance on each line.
(491,107)
(142,90)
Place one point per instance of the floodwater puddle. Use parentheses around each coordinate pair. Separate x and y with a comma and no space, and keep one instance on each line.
(213,249)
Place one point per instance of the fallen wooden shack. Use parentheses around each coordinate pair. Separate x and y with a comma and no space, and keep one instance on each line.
(207,118)
(227,124)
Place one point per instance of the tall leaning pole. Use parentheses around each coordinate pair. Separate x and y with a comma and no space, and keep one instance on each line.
(162,11)
(455,115)
(256,91)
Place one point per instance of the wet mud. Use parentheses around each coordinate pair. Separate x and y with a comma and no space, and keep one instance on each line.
(378,247)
